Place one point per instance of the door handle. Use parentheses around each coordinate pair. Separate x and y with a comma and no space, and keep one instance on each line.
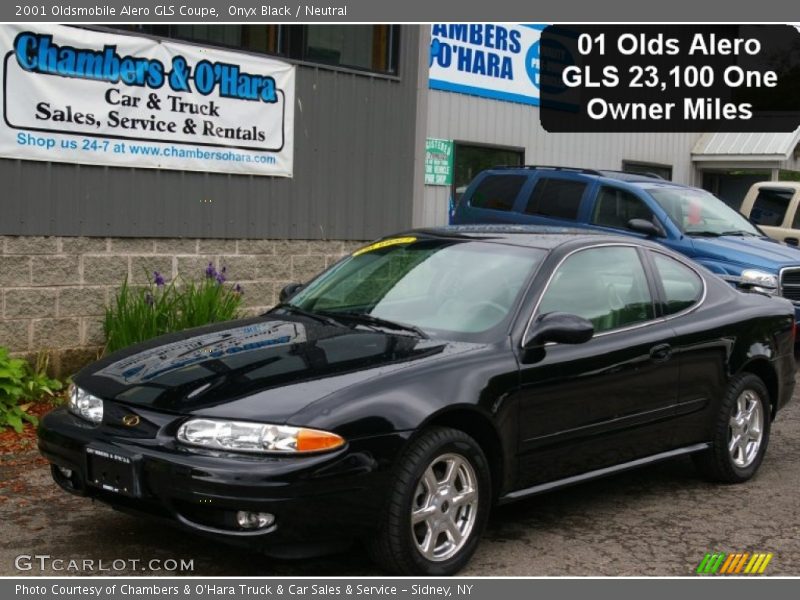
(661,353)
(791,241)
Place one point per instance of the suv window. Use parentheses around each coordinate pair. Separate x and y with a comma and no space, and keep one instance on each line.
(606,285)
(682,286)
(497,192)
(770,206)
(615,207)
(558,198)
(796,219)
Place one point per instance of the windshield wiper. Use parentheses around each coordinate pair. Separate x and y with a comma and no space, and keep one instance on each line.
(367,319)
(322,318)
(703,233)
(740,232)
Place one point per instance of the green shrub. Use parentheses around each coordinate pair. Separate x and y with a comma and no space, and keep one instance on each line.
(141,313)
(20,384)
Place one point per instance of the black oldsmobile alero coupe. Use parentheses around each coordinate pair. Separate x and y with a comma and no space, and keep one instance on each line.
(401,393)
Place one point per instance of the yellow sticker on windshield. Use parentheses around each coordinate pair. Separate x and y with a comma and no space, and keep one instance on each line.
(384,244)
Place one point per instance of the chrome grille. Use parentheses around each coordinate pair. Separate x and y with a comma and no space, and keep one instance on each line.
(790,284)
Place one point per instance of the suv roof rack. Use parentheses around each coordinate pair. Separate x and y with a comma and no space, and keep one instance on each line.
(551,168)
(635,174)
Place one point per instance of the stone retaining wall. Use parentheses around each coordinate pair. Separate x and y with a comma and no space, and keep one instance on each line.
(53,290)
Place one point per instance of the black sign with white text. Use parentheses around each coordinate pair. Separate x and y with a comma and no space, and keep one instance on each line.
(598,78)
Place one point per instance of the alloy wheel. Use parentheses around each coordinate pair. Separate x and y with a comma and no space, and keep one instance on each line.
(746,429)
(444,507)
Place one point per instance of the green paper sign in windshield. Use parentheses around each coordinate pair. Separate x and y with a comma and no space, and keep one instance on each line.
(438,162)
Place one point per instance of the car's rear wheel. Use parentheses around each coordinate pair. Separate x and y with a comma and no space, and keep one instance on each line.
(741,432)
(437,506)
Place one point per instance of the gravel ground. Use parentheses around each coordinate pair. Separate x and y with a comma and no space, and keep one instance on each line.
(660,520)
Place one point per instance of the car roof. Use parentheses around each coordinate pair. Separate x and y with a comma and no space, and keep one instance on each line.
(778,184)
(532,236)
(640,180)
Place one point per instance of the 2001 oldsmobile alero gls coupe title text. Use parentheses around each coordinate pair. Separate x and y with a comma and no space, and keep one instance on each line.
(400,394)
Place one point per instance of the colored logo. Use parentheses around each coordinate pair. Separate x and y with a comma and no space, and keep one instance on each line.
(131,420)
(544,63)
(740,563)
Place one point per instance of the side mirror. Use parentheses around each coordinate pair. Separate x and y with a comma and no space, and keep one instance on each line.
(558,327)
(646,227)
(290,290)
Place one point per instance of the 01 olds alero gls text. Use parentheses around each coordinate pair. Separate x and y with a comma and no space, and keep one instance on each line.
(404,391)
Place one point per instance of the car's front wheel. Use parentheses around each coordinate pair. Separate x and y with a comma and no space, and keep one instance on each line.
(437,508)
(741,432)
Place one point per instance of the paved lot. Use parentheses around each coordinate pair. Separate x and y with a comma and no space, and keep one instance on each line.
(656,521)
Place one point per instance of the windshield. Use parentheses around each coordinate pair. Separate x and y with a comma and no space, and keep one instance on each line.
(455,289)
(697,212)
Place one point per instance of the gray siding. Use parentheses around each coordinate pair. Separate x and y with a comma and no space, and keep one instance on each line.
(471,119)
(353,175)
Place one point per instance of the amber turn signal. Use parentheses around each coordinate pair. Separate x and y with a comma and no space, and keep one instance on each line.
(313,440)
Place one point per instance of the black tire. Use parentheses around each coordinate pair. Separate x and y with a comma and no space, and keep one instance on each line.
(717,463)
(394,546)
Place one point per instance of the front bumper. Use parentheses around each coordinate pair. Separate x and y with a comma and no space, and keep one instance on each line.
(321,500)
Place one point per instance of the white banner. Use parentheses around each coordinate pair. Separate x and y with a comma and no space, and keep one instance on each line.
(79,96)
(501,61)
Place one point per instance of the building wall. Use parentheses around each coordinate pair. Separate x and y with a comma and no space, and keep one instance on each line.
(353,165)
(471,119)
(70,234)
(54,290)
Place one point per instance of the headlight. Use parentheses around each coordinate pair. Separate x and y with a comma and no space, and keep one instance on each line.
(84,405)
(759,281)
(242,436)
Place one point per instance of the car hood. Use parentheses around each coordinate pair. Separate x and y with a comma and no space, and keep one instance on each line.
(747,251)
(265,366)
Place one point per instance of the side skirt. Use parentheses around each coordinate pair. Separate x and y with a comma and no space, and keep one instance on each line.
(589,475)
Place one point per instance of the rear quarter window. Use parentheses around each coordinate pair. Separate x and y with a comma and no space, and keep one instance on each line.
(682,287)
(497,192)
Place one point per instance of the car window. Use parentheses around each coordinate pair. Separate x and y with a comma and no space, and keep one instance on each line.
(606,285)
(453,288)
(697,213)
(682,286)
(497,192)
(558,198)
(796,219)
(770,206)
(615,207)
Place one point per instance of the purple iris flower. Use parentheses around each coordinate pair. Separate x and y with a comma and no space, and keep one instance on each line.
(158,278)
(211,272)
(238,289)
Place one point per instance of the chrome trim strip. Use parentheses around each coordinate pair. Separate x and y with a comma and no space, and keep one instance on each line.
(629,327)
(729,278)
(228,532)
(575,479)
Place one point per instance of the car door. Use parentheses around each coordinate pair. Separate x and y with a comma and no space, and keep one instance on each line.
(609,400)
(614,207)
(700,346)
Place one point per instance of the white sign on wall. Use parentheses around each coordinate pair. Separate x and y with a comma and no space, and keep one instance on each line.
(79,96)
(492,60)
